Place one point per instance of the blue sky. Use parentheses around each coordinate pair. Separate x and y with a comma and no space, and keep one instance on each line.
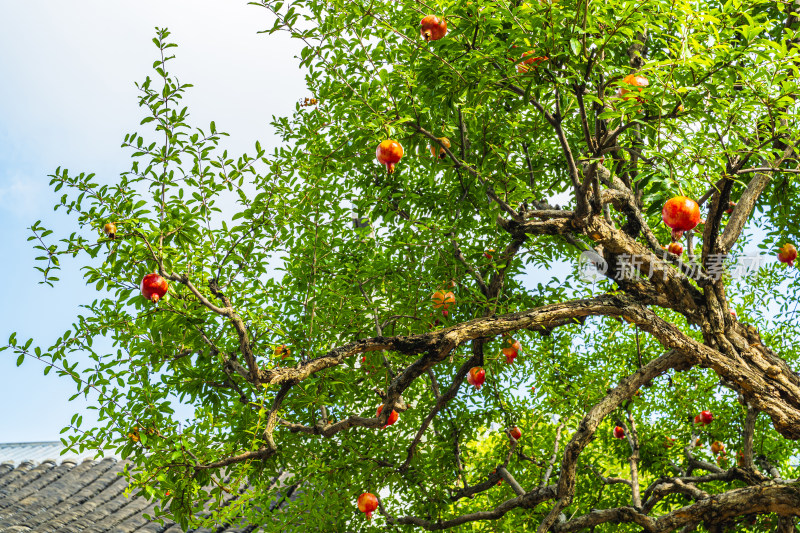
(67,98)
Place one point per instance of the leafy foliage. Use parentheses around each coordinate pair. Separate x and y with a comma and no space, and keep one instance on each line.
(316,249)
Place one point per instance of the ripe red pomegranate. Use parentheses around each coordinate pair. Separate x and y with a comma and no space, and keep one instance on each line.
(531,62)
(389,153)
(516,433)
(367,503)
(392,417)
(787,254)
(731,205)
(681,213)
(154,287)
(476,376)
(512,351)
(717,447)
(705,418)
(432,28)
(675,248)
(619,433)
(110,229)
(443,300)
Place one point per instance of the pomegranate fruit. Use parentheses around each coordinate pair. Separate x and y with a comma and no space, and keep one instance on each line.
(432,28)
(367,503)
(512,351)
(389,153)
(717,447)
(681,213)
(731,205)
(499,481)
(488,253)
(392,417)
(154,287)
(636,81)
(787,254)
(669,442)
(110,230)
(516,433)
(476,376)
(675,248)
(619,433)
(443,300)
(527,64)
(677,235)
(705,418)
(438,151)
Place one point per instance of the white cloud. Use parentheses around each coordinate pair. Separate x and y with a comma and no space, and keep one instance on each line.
(20,196)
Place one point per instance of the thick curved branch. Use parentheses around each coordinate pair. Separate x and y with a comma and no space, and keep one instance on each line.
(590,422)
(529,501)
(437,345)
(781,499)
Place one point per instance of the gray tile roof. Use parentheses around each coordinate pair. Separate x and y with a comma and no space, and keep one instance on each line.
(38,452)
(84,497)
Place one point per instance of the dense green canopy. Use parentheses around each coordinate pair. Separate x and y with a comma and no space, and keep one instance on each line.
(308,287)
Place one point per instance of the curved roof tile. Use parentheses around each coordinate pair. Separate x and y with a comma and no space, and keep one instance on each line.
(86,497)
